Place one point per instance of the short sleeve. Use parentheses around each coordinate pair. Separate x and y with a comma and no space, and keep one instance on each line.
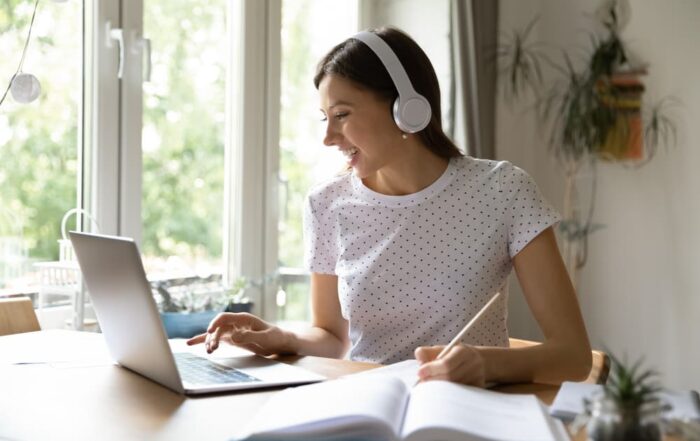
(320,250)
(528,213)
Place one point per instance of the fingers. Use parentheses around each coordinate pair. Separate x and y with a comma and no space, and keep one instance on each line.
(425,354)
(236,319)
(240,329)
(197,339)
(461,364)
(212,340)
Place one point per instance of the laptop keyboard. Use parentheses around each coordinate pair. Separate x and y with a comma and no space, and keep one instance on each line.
(198,370)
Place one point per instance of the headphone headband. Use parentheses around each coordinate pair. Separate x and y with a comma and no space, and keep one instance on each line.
(411,110)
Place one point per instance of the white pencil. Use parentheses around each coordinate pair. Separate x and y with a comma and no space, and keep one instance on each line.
(468,326)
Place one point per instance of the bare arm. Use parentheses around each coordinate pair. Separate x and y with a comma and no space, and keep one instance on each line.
(328,335)
(565,353)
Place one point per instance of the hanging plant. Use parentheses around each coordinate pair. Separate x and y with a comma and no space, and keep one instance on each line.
(593,112)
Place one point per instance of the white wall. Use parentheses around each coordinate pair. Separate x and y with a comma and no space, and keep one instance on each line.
(640,291)
(427,22)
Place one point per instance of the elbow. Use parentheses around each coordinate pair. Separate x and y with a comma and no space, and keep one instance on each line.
(580,362)
(584,366)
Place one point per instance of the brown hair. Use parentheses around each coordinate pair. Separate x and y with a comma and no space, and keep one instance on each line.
(356,62)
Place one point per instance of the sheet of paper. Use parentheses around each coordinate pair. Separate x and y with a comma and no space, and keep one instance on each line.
(82,349)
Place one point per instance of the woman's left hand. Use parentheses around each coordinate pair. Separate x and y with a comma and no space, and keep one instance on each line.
(462,364)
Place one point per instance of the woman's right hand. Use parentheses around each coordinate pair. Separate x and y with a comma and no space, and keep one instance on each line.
(244,330)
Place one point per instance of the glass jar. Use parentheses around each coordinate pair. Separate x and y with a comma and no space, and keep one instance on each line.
(609,421)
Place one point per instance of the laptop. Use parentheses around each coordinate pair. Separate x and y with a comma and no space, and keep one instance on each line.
(128,316)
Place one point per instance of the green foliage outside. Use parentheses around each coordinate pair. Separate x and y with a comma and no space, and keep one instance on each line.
(183,129)
(38,141)
(297,72)
(183,142)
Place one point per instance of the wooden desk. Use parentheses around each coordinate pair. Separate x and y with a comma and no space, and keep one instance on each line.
(80,395)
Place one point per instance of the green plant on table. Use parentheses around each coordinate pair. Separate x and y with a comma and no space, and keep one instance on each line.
(629,407)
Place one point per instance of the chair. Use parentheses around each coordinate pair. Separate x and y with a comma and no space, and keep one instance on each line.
(599,369)
(17,316)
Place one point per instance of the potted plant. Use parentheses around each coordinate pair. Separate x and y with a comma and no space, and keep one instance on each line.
(628,407)
(236,298)
(593,110)
(188,305)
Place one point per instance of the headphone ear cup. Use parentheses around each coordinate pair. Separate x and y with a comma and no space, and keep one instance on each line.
(412,114)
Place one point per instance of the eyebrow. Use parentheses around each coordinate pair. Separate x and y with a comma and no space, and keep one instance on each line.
(338,103)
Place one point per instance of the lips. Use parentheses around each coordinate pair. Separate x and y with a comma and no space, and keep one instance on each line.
(349,153)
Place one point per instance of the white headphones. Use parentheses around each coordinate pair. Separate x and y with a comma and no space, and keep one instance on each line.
(411,110)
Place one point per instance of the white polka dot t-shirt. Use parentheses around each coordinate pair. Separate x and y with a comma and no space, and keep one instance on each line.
(412,270)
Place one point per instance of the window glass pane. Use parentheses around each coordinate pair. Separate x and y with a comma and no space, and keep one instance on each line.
(39,141)
(310,28)
(183,136)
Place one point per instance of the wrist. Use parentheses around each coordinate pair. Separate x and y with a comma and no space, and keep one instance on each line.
(491,374)
(290,342)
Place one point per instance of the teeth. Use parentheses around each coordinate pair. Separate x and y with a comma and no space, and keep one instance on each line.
(350,152)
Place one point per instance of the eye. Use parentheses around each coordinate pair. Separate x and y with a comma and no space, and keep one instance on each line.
(340,116)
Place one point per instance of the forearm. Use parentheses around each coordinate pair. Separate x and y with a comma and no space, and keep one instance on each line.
(550,362)
(316,341)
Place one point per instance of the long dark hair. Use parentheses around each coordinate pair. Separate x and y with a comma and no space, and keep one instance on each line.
(356,62)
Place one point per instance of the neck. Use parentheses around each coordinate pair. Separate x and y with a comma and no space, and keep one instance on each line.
(416,169)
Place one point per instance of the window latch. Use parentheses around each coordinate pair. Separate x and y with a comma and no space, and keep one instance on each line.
(118,35)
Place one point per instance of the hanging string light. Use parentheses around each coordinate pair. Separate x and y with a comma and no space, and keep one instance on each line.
(25,87)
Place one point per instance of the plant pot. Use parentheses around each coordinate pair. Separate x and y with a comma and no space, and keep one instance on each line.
(622,93)
(186,324)
(239,307)
(611,422)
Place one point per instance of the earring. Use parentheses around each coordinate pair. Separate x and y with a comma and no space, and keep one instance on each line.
(404,136)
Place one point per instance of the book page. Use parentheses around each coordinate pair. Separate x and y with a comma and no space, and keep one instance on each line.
(406,371)
(370,406)
(450,411)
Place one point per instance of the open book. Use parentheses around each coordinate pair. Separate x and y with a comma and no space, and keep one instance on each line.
(378,407)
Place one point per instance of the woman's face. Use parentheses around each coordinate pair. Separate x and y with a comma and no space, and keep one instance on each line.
(359,123)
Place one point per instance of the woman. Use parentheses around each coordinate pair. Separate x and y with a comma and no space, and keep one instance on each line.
(414,241)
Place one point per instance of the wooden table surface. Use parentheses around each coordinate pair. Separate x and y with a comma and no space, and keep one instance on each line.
(68,389)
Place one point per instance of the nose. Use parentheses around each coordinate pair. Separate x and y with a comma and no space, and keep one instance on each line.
(332,135)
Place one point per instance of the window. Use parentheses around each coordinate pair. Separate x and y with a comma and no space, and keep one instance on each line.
(184,116)
(40,142)
(188,162)
(310,28)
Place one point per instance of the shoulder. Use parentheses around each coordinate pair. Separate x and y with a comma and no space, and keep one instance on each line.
(325,193)
(498,175)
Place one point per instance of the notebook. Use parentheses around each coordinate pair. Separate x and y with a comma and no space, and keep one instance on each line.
(383,407)
(128,316)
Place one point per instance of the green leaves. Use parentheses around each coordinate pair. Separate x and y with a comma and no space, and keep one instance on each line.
(630,386)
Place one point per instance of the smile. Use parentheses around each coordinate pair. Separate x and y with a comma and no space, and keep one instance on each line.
(349,153)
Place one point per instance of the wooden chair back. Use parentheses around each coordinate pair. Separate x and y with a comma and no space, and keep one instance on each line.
(599,369)
(17,315)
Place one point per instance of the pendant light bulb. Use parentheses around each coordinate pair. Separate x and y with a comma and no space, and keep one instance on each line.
(25,88)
